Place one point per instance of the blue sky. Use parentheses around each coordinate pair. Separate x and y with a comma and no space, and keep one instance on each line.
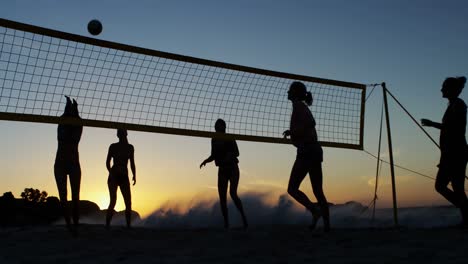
(411,45)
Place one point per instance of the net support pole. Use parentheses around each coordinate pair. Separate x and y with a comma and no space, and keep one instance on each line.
(390,153)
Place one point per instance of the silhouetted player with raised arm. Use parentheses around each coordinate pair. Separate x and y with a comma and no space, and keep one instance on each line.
(120,152)
(67,162)
(453,149)
(225,152)
(309,154)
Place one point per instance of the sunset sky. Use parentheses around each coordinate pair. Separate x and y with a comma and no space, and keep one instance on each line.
(411,45)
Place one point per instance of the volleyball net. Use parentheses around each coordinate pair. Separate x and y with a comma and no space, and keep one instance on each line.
(122,86)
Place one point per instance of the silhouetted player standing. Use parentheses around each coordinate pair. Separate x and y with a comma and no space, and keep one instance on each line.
(224,153)
(121,152)
(453,149)
(309,154)
(67,162)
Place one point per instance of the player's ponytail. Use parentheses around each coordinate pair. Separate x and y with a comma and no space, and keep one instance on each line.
(461,82)
(308,98)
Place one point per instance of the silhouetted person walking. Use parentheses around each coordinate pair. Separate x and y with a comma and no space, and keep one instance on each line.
(309,154)
(225,152)
(121,152)
(453,149)
(67,162)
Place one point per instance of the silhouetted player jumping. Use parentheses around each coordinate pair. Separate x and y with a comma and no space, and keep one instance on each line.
(67,162)
(309,154)
(453,149)
(225,152)
(121,152)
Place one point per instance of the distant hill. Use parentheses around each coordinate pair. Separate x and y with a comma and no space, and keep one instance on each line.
(18,212)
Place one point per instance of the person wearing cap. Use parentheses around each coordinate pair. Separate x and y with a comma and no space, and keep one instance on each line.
(120,153)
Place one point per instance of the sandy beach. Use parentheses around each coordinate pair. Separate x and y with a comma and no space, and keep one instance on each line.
(278,244)
(278,233)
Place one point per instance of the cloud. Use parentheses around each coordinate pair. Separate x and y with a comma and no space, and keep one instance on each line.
(385,180)
(386,154)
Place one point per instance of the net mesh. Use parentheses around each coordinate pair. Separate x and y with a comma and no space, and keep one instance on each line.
(119,86)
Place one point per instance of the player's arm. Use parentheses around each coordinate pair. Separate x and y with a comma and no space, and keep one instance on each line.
(211,157)
(132,163)
(108,159)
(297,128)
(207,160)
(429,123)
(236,149)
